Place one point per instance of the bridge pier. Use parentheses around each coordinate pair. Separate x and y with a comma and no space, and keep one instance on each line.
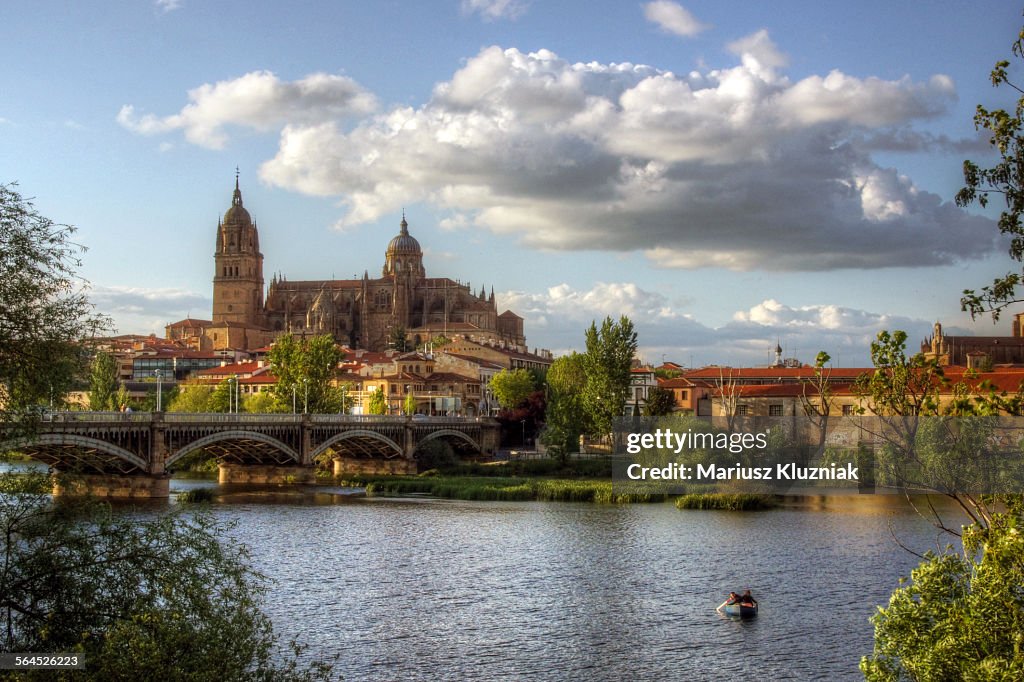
(348,466)
(121,486)
(265,473)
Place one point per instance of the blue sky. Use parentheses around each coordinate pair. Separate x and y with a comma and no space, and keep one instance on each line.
(726,174)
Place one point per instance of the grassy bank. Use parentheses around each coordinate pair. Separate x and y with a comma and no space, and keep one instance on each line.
(500,488)
(727,501)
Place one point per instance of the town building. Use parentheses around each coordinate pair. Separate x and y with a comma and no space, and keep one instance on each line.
(976,352)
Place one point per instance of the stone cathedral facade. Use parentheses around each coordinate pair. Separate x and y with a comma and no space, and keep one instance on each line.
(360,313)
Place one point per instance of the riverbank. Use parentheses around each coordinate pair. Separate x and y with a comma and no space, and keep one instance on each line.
(500,488)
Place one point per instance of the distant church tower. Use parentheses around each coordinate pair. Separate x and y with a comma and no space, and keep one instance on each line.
(238,274)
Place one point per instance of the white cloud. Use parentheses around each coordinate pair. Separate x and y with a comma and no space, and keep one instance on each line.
(167,5)
(673,18)
(562,314)
(257,100)
(491,10)
(138,310)
(736,167)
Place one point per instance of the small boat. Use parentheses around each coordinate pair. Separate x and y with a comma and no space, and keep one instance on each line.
(740,610)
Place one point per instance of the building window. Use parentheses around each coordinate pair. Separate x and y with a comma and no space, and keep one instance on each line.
(775,410)
(742,410)
(849,410)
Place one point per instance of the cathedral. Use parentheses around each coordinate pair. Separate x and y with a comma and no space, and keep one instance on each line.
(368,313)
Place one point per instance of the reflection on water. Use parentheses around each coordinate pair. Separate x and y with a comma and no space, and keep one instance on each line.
(435,589)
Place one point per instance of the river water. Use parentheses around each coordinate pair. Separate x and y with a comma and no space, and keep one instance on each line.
(423,589)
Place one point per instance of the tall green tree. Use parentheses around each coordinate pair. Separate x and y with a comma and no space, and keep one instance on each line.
(1005,180)
(566,415)
(378,403)
(900,384)
(609,357)
(660,402)
(44,309)
(512,387)
(305,372)
(397,340)
(192,397)
(102,381)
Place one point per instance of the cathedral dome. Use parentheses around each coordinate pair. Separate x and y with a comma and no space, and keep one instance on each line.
(237,215)
(404,242)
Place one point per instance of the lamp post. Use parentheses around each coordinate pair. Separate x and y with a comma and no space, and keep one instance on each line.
(523,422)
(305,399)
(159,388)
(293,398)
(343,410)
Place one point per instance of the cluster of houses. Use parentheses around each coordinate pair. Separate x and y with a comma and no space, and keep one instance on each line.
(449,380)
(453,379)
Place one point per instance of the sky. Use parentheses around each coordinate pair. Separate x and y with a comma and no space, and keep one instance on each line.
(729,175)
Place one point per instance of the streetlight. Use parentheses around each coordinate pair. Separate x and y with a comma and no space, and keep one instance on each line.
(305,399)
(343,410)
(293,398)
(523,422)
(159,385)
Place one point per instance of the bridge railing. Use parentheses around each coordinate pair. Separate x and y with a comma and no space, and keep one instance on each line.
(254,418)
(104,416)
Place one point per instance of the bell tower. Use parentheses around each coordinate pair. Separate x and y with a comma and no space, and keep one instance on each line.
(238,267)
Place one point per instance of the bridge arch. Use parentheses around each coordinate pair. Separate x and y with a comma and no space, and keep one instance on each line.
(354,434)
(228,436)
(49,440)
(435,435)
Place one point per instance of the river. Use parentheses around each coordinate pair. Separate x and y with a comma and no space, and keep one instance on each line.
(428,589)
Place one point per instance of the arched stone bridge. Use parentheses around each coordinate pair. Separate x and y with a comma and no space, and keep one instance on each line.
(130,454)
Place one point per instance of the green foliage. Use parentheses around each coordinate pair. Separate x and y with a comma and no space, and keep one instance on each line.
(409,404)
(435,454)
(378,403)
(305,372)
(143,598)
(566,414)
(44,310)
(607,363)
(122,399)
(506,489)
(899,385)
(1006,178)
(660,402)
(260,403)
(512,387)
(192,397)
(102,382)
(397,340)
(961,616)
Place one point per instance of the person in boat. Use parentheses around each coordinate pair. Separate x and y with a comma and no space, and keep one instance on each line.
(747,599)
(733,599)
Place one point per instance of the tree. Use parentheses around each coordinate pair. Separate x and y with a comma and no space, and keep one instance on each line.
(397,340)
(409,404)
(305,372)
(899,385)
(192,397)
(816,398)
(122,399)
(260,403)
(961,616)
(140,598)
(44,310)
(222,398)
(511,388)
(607,362)
(566,417)
(660,402)
(378,404)
(1005,178)
(102,382)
